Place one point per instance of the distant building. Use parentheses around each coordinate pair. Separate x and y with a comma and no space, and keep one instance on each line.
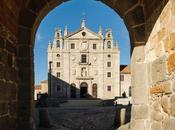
(41,88)
(125,80)
(83,64)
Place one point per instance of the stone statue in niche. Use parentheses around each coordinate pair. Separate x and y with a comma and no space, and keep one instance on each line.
(83,72)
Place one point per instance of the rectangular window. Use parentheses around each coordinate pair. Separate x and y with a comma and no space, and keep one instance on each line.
(108,88)
(94,46)
(58,74)
(108,74)
(72,46)
(58,64)
(83,58)
(108,64)
(121,77)
(58,43)
(58,88)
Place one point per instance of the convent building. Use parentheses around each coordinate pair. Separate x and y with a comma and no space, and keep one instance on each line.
(83,64)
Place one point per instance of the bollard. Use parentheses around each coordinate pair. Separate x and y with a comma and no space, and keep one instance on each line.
(43,118)
(122,116)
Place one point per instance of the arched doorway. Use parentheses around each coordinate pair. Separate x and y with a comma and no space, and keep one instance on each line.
(94,90)
(73,90)
(83,90)
(29,16)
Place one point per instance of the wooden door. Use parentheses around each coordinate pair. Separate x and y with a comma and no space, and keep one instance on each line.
(94,90)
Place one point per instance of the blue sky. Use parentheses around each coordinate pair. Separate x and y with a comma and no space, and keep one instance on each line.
(71,14)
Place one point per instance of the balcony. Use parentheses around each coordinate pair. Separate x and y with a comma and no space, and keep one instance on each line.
(84,63)
(84,78)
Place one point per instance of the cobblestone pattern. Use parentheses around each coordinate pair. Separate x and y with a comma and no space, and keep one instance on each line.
(94,118)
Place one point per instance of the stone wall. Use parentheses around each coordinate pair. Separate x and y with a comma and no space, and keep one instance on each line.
(160,59)
(8,64)
(19,20)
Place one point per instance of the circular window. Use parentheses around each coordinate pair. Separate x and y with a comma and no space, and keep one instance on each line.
(58,55)
(109,55)
(84,33)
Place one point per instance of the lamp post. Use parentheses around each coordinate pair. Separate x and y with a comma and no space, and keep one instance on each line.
(50,77)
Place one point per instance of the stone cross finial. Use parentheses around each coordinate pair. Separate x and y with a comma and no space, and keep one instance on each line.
(100,31)
(83,24)
(65,31)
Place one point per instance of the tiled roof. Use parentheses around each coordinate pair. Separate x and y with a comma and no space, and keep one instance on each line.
(44,81)
(37,87)
(125,69)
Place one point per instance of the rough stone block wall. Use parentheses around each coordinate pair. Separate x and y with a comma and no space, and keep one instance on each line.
(8,64)
(160,57)
(19,20)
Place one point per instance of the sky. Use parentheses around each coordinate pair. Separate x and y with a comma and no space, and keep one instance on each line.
(70,14)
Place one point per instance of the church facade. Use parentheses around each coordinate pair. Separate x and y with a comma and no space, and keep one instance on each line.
(83,64)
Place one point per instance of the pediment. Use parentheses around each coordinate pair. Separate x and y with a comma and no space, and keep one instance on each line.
(83,33)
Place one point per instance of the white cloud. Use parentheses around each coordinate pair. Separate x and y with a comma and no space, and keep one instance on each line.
(38,36)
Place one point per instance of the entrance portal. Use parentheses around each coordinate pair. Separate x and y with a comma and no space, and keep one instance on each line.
(84,90)
(94,90)
(73,91)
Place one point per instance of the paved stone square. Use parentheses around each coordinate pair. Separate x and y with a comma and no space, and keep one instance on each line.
(81,118)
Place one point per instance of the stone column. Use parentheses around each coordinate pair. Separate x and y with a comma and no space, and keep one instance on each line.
(139,115)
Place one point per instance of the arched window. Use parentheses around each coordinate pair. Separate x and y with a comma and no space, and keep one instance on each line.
(58,43)
(58,34)
(108,44)
(73,90)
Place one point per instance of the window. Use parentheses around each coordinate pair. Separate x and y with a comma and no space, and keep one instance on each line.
(109,44)
(130,91)
(58,88)
(108,88)
(94,46)
(108,64)
(58,43)
(121,77)
(58,55)
(58,74)
(58,34)
(108,74)
(83,58)
(109,55)
(83,33)
(72,46)
(109,35)
(58,64)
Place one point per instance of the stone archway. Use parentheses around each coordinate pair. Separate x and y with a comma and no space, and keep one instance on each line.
(83,90)
(19,21)
(73,90)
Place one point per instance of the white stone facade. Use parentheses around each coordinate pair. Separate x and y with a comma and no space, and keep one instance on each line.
(83,64)
(41,88)
(125,80)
